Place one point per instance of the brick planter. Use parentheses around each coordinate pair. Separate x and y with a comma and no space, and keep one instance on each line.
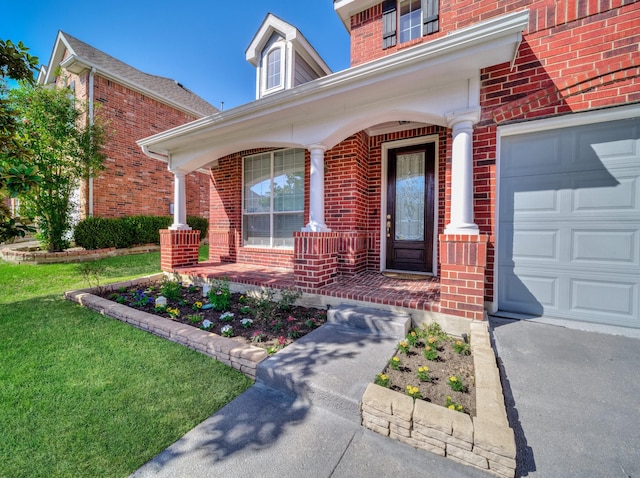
(485,441)
(239,356)
(14,254)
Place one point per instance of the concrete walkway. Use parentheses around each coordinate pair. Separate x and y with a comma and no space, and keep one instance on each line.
(301,419)
(573,399)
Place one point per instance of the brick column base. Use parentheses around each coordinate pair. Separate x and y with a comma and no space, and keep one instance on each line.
(463,261)
(315,258)
(178,249)
(222,245)
(352,252)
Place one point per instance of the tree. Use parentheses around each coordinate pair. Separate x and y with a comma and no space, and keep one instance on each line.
(63,147)
(15,177)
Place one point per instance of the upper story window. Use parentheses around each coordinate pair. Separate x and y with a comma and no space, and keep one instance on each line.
(274,75)
(405,20)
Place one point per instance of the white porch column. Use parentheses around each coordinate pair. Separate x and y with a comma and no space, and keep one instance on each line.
(462,172)
(179,202)
(316,190)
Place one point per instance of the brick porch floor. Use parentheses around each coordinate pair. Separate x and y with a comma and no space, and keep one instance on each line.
(369,286)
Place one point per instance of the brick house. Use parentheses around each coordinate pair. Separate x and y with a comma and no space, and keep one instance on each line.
(133,104)
(492,146)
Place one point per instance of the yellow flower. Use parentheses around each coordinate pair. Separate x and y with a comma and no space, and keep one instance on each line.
(448,397)
(423,369)
(458,342)
(395,359)
(452,407)
(413,334)
(403,343)
(432,340)
(383,376)
(453,379)
(427,348)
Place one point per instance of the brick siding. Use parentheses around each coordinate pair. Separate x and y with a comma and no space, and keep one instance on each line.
(131,182)
(574,56)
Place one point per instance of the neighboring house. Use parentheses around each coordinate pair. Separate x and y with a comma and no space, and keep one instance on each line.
(493,145)
(132,104)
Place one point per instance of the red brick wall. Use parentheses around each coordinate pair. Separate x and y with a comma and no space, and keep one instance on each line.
(601,68)
(133,183)
(574,56)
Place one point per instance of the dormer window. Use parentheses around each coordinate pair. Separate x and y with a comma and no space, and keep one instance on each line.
(283,58)
(274,68)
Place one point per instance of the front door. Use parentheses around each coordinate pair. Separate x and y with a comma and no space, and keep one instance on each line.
(409,217)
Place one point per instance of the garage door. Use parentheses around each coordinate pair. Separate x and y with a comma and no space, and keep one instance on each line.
(569,223)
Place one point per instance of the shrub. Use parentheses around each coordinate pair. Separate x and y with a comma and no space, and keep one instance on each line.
(121,232)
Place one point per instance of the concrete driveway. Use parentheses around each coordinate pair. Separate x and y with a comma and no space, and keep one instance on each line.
(573,399)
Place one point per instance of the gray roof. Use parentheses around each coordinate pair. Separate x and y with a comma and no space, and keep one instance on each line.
(164,87)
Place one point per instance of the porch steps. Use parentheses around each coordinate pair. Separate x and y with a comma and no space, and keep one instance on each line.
(332,366)
(375,321)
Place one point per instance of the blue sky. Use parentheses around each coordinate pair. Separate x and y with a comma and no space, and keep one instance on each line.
(199,43)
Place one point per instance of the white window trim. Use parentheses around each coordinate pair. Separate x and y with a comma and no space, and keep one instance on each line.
(271,212)
(280,45)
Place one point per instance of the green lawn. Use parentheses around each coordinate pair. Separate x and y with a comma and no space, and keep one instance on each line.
(85,395)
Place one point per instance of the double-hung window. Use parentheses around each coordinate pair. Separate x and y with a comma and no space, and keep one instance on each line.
(405,20)
(273,198)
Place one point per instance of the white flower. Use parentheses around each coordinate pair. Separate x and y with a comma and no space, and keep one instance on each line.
(226,329)
(206,323)
(247,321)
(226,315)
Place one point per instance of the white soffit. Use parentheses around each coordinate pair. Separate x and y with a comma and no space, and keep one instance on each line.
(428,67)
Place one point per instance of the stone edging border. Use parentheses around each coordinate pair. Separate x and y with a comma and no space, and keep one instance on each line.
(485,441)
(243,357)
(14,256)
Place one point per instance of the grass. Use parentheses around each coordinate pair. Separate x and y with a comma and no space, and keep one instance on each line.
(85,395)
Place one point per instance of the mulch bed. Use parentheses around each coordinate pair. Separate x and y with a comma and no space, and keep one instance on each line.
(448,363)
(280,329)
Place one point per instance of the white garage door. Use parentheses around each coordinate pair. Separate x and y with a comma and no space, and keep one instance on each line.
(569,223)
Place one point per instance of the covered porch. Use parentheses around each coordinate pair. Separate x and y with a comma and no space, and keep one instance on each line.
(368,286)
(347,126)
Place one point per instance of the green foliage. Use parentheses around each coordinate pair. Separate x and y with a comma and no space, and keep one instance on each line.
(461,347)
(16,62)
(288,298)
(15,177)
(85,395)
(171,289)
(455,382)
(121,232)
(263,305)
(198,223)
(451,405)
(220,294)
(63,148)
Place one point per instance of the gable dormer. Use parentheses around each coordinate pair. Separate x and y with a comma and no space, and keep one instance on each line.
(283,57)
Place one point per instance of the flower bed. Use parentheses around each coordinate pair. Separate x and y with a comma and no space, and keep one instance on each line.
(484,441)
(258,318)
(430,365)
